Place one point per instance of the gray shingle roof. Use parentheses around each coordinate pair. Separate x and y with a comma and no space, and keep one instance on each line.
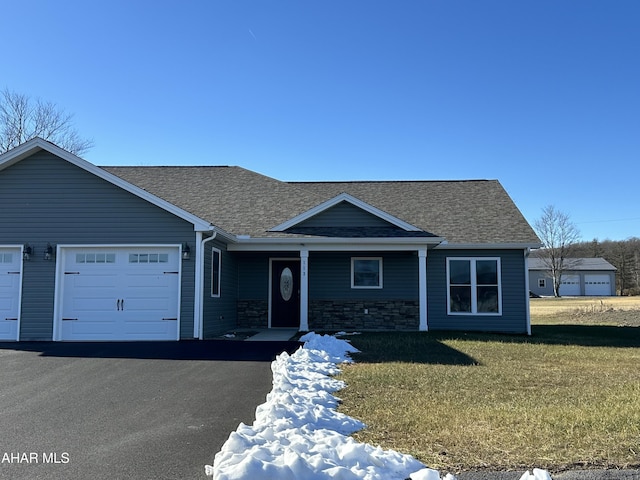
(243,202)
(574,264)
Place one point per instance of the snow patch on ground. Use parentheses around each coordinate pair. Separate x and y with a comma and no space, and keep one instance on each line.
(299,435)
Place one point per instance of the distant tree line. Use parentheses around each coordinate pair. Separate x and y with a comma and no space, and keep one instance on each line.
(622,254)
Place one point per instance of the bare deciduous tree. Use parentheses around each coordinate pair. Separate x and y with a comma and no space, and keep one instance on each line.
(22,119)
(557,233)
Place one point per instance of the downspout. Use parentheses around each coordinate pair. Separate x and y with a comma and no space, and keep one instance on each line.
(527,251)
(198,310)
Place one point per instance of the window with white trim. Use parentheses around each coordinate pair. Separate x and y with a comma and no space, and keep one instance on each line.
(216,260)
(474,286)
(542,283)
(366,272)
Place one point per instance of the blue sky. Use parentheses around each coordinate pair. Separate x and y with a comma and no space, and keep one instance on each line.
(541,95)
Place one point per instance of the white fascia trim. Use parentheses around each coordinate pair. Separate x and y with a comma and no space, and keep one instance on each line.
(345,197)
(486,246)
(28,148)
(333,244)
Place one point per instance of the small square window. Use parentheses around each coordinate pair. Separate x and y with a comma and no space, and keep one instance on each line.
(366,272)
(542,283)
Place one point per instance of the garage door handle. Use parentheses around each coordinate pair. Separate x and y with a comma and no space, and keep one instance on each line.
(120,304)
(69,319)
(169,319)
(12,319)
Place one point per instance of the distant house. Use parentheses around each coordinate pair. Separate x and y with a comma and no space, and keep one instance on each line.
(582,277)
(171,253)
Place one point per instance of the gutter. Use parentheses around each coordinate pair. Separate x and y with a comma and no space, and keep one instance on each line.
(198,306)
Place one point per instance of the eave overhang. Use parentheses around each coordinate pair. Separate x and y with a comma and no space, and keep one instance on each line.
(487,246)
(249,244)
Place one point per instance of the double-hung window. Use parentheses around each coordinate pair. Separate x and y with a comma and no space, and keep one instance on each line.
(474,286)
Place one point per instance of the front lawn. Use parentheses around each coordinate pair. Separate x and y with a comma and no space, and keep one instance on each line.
(566,397)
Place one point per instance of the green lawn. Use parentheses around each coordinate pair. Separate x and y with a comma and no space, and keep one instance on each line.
(566,397)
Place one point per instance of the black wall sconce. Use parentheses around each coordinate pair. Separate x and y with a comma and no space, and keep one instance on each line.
(26,252)
(186,252)
(48,252)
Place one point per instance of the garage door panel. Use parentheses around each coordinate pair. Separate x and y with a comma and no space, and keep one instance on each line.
(86,282)
(94,304)
(155,303)
(90,327)
(151,328)
(125,298)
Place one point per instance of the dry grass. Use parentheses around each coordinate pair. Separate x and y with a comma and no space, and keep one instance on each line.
(567,396)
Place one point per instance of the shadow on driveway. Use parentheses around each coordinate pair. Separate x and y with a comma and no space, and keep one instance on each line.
(218,350)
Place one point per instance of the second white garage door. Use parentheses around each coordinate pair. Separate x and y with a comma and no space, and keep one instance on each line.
(120,294)
(597,285)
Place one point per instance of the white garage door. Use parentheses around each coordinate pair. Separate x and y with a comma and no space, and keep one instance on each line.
(10,275)
(597,285)
(120,294)
(569,285)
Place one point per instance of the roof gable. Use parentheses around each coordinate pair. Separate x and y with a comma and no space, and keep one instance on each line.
(37,144)
(367,215)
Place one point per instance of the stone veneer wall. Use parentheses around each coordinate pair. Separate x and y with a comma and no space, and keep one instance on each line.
(340,314)
(253,313)
(349,315)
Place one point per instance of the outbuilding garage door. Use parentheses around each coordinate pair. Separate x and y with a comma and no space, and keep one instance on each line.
(10,275)
(597,285)
(570,285)
(120,294)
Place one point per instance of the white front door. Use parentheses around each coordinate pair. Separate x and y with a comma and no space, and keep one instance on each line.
(10,276)
(120,293)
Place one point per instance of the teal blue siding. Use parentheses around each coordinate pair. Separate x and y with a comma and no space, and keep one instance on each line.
(48,200)
(220,313)
(344,214)
(514,296)
(330,276)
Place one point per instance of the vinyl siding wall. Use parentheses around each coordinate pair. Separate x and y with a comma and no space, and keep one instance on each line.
(220,313)
(514,296)
(344,214)
(48,200)
(330,275)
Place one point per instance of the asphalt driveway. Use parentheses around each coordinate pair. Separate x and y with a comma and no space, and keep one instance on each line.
(150,410)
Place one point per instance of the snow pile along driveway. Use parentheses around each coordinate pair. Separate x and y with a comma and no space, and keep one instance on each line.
(299,435)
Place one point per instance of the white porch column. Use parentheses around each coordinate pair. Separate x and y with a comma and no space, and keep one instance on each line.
(422,285)
(304,290)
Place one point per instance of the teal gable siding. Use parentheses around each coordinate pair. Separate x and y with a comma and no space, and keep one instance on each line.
(344,214)
(514,297)
(48,200)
